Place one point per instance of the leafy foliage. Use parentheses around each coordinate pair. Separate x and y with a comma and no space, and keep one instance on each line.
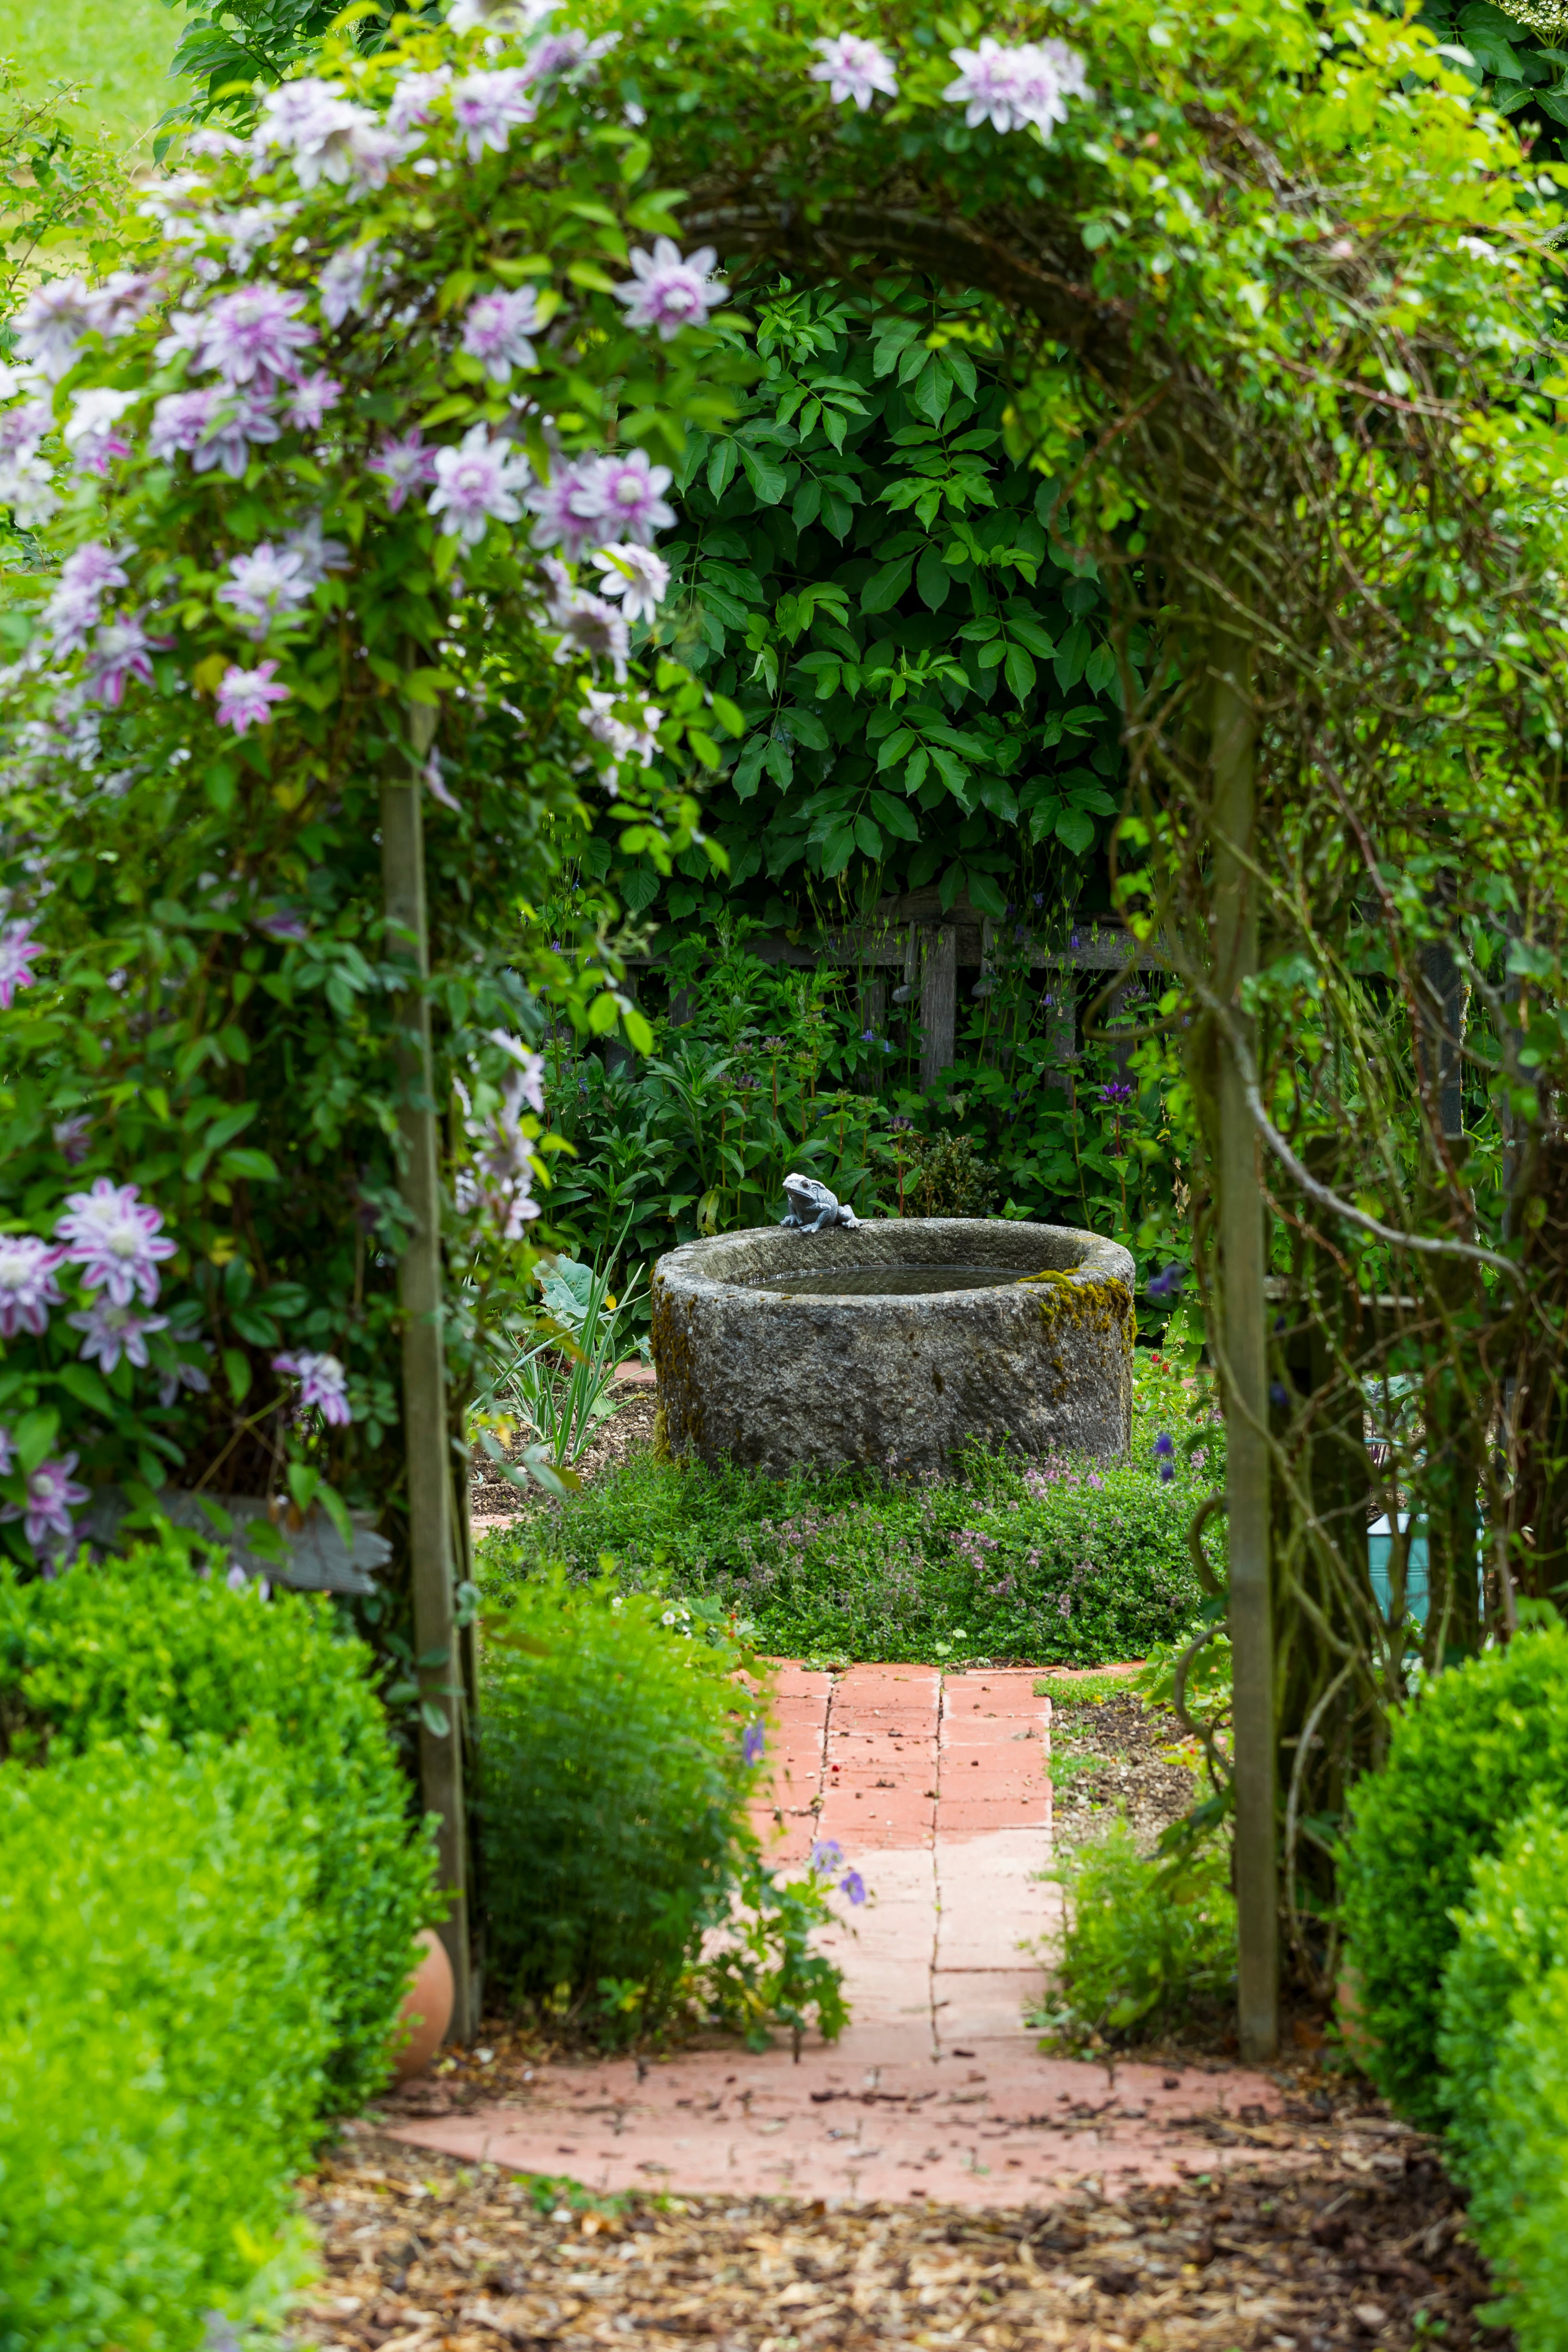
(142,1646)
(1149,1941)
(613,1787)
(1066,1562)
(922,666)
(165,2015)
(1476,1747)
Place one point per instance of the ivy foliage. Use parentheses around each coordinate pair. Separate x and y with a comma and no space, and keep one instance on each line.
(928,692)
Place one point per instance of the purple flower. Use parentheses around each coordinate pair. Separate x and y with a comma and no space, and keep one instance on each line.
(1167,1473)
(1278,1395)
(17,950)
(852,66)
(117,1239)
(212,426)
(854,1885)
(669,293)
(283,924)
(121,651)
(179,1373)
(827,1856)
(413,99)
(404,466)
(1029,83)
(1164,1446)
(1166,1283)
(489,107)
(91,429)
(28,1285)
(561,55)
(308,399)
(588,624)
(51,1491)
(628,489)
(328,137)
(753,1745)
(69,1135)
(53,321)
(316,555)
(71,613)
(495,330)
(244,696)
(113,1331)
(1116,1094)
(570,506)
(475,483)
(8,1453)
(265,585)
(637,575)
(255,335)
(341,284)
(323,1384)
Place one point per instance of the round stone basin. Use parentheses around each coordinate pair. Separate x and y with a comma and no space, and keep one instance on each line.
(895,1344)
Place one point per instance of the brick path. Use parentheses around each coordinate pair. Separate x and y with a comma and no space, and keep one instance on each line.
(937,1788)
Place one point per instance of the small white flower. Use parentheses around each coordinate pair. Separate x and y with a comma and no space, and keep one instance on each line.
(637,575)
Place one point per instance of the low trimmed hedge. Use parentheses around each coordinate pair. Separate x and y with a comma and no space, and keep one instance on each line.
(145,1645)
(164,2027)
(1504,2050)
(1477,1749)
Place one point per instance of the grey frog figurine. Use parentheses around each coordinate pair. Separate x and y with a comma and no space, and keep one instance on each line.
(811,1206)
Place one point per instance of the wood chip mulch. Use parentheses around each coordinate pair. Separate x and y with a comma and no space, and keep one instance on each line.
(1363,2244)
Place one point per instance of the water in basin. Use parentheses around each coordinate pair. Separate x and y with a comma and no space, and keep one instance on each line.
(883,1281)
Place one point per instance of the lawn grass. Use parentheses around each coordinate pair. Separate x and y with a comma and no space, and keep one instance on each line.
(114,53)
(1067,1562)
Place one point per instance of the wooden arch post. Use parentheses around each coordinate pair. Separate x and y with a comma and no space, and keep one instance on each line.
(424,1431)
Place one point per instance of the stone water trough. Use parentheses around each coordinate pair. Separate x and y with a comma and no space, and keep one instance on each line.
(895,1343)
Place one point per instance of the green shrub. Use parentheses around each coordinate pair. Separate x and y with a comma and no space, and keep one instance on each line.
(107,1653)
(1069,1562)
(163,2028)
(1466,1760)
(612,1792)
(1147,1939)
(1503,2045)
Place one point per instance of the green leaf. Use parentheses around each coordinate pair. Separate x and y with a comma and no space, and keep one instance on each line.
(893,750)
(806,728)
(808,503)
(256,1165)
(1020,672)
(933,581)
(82,1382)
(721,464)
(1031,632)
(868,836)
(895,817)
(885,587)
(837,850)
(1075,831)
(237,1373)
(768,481)
(34,1437)
(748,769)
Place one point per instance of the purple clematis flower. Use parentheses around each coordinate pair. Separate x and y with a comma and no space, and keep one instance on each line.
(117,1239)
(17,950)
(45,1515)
(323,1384)
(666,292)
(28,1285)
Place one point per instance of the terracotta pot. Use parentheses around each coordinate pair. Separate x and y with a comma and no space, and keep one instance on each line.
(427,2007)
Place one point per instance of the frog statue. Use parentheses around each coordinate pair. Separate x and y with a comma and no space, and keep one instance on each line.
(812,1207)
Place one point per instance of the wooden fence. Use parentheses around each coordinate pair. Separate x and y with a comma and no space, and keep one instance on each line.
(935,955)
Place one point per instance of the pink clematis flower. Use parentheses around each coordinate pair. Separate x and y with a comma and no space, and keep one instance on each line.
(323,1384)
(496,329)
(17,950)
(570,506)
(28,1285)
(122,651)
(255,335)
(478,482)
(244,696)
(115,1332)
(117,1239)
(668,292)
(404,466)
(852,66)
(45,1515)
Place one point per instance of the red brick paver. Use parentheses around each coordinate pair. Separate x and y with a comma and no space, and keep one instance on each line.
(937,1788)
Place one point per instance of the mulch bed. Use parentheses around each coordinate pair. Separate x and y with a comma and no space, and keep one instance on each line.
(1112,1755)
(491,1497)
(1362,2243)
